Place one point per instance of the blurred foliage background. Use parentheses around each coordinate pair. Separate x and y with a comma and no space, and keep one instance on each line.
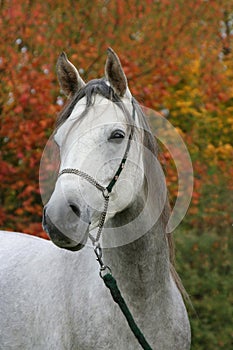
(178,58)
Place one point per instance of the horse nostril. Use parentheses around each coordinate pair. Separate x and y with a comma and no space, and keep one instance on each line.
(75,209)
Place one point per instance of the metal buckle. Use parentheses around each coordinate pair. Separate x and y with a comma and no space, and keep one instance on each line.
(99,254)
(104,268)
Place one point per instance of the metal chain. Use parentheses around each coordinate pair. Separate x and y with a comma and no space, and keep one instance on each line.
(96,239)
(87,177)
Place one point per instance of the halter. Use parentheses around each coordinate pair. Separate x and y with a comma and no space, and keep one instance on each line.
(108,279)
(105,191)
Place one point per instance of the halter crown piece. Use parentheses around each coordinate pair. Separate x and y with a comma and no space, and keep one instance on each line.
(105,191)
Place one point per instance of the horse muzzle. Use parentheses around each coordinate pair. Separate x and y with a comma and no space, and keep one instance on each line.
(68,229)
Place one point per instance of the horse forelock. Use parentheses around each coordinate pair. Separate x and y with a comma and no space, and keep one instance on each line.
(92,88)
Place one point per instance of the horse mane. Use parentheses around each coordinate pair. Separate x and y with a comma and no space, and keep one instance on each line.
(99,86)
(151,143)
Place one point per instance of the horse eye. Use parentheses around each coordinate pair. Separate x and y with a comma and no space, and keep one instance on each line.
(117,135)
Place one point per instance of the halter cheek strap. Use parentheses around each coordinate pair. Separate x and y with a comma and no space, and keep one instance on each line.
(105,190)
(121,166)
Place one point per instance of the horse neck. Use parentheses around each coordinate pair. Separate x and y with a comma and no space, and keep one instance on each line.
(141,267)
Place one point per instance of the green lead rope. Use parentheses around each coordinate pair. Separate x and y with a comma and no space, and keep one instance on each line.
(111,283)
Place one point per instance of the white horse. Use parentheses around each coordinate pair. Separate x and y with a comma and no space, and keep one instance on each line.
(53,298)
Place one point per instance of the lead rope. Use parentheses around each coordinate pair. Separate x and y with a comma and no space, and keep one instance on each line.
(111,284)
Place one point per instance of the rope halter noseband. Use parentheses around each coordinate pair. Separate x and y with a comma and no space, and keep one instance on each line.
(105,190)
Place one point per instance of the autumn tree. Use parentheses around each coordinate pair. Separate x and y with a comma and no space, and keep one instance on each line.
(171,52)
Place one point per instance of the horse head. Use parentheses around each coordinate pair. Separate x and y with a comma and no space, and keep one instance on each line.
(96,136)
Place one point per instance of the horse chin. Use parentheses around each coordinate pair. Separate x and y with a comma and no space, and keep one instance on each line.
(68,244)
(62,240)
(75,248)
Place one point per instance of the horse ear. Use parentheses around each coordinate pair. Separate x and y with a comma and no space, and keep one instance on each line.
(115,74)
(68,76)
